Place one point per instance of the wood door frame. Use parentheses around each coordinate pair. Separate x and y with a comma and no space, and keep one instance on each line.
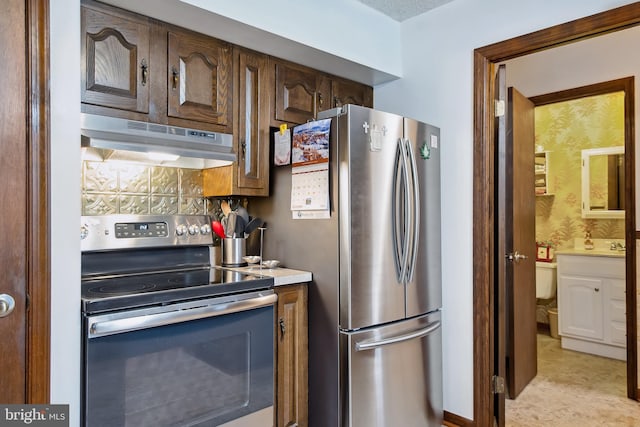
(38,273)
(484,245)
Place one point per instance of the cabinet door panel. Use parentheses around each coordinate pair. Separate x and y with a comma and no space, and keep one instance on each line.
(292,331)
(581,307)
(295,94)
(115,58)
(253,122)
(199,79)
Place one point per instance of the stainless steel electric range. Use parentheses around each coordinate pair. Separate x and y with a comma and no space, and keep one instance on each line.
(168,338)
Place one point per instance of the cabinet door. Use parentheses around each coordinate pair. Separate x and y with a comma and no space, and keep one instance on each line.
(581,307)
(299,92)
(347,92)
(292,370)
(115,61)
(199,79)
(253,122)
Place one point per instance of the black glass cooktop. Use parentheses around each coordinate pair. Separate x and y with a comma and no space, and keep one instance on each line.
(137,290)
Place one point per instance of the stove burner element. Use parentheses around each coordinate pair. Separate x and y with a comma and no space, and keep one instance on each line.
(122,288)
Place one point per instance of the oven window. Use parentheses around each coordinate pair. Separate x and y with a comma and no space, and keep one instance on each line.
(204,372)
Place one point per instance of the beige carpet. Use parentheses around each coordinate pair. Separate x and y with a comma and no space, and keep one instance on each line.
(573,389)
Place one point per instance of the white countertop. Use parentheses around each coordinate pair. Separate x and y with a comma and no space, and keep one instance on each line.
(281,276)
(591,252)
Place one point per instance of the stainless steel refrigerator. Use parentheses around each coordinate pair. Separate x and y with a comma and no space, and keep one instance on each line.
(375,343)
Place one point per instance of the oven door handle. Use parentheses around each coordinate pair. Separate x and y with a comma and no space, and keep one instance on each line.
(117,326)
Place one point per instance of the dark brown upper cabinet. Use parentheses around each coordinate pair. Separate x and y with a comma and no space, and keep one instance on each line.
(115,60)
(142,69)
(348,92)
(249,175)
(199,78)
(300,93)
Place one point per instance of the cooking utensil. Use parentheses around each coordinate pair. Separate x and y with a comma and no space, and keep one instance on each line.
(241,211)
(252,226)
(239,229)
(231,224)
(226,209)
(218,228)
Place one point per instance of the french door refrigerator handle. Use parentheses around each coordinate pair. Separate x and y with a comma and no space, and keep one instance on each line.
(399,175)
(145,321)
(406,211)
(373,344)
(415,212)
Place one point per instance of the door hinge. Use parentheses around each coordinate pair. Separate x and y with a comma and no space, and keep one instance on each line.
(497,384)
(499,108)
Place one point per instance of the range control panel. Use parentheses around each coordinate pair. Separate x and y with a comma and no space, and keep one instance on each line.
(98,233)
(130,230)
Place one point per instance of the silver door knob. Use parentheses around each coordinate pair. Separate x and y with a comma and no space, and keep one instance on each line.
(7,304)
(516,256)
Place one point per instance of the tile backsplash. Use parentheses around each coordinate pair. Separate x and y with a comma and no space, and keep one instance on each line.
(131,188)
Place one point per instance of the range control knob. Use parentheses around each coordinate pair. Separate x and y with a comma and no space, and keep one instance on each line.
(194,229)
(181,230)
(205,229)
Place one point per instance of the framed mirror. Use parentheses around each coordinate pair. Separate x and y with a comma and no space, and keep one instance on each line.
(603,182)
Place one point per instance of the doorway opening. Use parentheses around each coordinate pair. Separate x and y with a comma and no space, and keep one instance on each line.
(568,125)
(485,61)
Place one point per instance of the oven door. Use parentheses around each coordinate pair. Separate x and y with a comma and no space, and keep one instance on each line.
(201,363)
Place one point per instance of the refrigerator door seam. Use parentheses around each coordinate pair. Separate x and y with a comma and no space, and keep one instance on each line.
(372,344)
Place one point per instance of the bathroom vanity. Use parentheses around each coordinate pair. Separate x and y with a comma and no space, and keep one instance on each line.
(591,301)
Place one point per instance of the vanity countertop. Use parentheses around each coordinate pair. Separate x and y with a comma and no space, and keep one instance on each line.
(591,252)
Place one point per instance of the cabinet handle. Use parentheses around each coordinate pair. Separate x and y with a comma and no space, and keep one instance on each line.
(145,70)
(174,77)
(320,100)
(597,289)
(243,144)
(337,102)
(282,326)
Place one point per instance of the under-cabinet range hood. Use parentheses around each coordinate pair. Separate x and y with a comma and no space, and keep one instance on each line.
(115,135)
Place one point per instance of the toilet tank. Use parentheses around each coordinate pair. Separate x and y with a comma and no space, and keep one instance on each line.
(546,279)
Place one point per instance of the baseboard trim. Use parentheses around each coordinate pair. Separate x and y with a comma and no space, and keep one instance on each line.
(453,420)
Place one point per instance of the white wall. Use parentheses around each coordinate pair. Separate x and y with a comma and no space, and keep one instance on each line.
(438,88)
(65,204)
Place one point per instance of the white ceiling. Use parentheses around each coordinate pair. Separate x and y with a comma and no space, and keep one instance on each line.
(401,10)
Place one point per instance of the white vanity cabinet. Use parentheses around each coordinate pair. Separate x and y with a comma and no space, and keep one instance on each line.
(591,304)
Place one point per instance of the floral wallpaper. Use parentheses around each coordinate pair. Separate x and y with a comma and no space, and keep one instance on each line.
(564,129)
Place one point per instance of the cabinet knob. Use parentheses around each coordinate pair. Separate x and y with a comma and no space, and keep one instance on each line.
(282,326)
(144,70)
(597,289)
(174,77)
